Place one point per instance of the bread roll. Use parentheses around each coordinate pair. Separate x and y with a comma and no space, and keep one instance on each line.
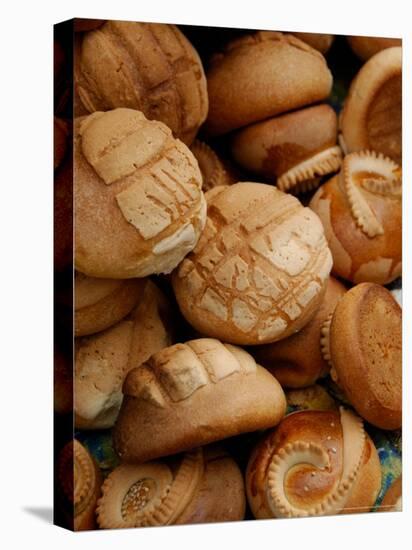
(297,361)
(103,360)
(262,75)
(367,46)
(372,112)
(211,167)
(364,343)
(200,486)
(193,394)
(361,212)
(260,269)
(149,67)
(292,149)
(138,199)
(314,463)
(79,480)
(100,303)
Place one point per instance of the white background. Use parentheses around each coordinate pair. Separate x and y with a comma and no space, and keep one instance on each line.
(26,272)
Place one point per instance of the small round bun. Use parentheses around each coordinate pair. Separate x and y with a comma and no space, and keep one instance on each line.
(367,46)
(193,394)
(361,212)
(294,149)
(365,344)
(262,75)
(150,67)
(259,271)
(314,463)
(179,490)
(138,199)
(372,112)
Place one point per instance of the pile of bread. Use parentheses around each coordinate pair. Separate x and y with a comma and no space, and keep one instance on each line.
(275,256)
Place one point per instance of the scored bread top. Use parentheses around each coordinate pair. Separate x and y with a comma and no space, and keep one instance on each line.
(259,270)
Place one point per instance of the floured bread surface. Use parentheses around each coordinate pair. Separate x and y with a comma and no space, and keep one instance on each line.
(146,66)
(139,208)
(259,270)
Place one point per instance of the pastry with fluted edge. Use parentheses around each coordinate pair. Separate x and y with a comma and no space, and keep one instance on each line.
(392,501)
(259,270)
(367,46)
(314,463)
(213,170)
(371,117)
(150,67)
(294,149)
(262,75)
(139,207)
(361,212)
(79,486)
(319,41)
(192,394)
(362,341)
(297,361)
(200,486)
(100,303)
(103,360)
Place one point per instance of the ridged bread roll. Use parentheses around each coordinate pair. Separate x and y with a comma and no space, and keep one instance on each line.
(367,46)
(259,270)
(192,394)
(314,463)
(200,486)
(361,212)
(150,67)
(100,303)
(262,75)
(139,208)
(103,360)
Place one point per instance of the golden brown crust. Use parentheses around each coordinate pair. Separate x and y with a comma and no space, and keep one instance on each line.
(211,167)
(372,113)
(103,360)
(100,303)
(367,46)
(366,353)
(392,501)
(361,212)
(321,42)
(150,67)
(259,270)
(311,464)
(138,199)
(254,79)
(297,361)
(193,394)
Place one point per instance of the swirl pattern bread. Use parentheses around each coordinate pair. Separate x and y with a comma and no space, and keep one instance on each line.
(313,463)
(138,202)
(149,67)
(192,394)
(260,268)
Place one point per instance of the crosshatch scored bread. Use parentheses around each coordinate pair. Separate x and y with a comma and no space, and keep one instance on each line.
(193,394)
(259,270)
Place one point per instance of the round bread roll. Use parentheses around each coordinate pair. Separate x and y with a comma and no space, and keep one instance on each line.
(372,112)
(260,269)
(361,212)
(100,303)
(321,42)
(295,148)
(392,501)
(211,167)
(60,134)
(150,67)
(138,199)
(297,361)
(79,484)
(200,486)
(314,463)
(193,394)
(363,341)
(103,360)
(367,46)
(262,75)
